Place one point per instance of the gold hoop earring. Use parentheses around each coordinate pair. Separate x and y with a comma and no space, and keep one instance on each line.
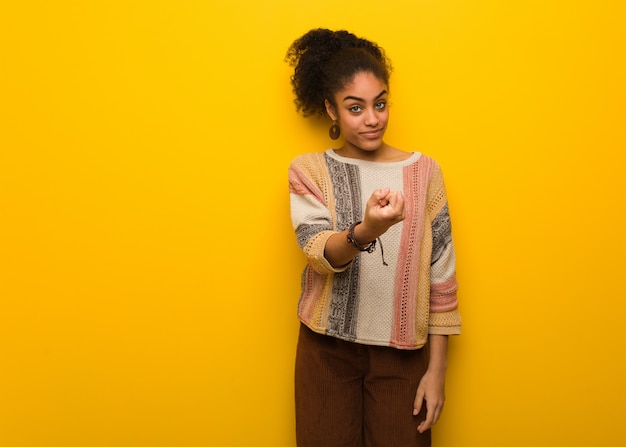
(334,131)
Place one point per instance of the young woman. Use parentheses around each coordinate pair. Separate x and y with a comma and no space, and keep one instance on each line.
(379,289)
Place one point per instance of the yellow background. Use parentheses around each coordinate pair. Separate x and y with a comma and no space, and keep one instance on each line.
(149,273)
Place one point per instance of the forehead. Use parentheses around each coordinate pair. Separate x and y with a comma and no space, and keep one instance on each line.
(363,85)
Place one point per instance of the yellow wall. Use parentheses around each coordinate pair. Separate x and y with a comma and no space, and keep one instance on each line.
(149,274)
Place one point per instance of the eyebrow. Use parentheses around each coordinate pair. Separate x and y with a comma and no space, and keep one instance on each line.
(355,98)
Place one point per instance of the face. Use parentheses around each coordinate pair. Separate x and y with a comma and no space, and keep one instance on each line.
(362,113)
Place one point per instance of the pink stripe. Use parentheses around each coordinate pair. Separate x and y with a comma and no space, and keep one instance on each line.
(310,295)
(416,179)
(443,296)
(300,184)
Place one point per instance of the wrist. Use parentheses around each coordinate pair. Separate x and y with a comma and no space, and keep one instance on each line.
(358,240)
(438,368)
(364,233)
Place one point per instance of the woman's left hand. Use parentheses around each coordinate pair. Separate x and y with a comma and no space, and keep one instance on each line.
(430,392)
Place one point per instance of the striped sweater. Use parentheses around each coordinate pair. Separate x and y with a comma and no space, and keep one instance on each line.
(366,302)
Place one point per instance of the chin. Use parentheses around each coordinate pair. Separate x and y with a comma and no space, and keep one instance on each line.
(372,146)
(366,145)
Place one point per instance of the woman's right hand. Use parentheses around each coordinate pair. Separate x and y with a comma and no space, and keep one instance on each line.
(383,209)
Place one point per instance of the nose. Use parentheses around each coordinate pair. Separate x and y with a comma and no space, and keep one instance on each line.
(371,118)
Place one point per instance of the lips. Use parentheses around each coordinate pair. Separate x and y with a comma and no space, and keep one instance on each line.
(372,133)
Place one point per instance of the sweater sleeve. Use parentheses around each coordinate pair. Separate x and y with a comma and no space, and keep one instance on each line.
(444,315)
(311,214)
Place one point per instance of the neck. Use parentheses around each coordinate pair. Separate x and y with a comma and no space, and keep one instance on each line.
(384,153)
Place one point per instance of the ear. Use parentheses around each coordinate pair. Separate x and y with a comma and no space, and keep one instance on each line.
(330,110)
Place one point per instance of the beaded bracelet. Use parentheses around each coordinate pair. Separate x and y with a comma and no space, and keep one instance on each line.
(352,240)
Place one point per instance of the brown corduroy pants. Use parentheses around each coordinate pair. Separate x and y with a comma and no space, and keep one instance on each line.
(353,395)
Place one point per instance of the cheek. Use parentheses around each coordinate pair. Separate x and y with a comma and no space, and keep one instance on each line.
(385,115)
(348,122)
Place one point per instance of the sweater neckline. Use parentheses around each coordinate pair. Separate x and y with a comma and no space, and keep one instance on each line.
(391,164)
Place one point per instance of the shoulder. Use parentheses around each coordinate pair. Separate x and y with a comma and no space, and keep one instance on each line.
(308,157)
(308,162)
(427,166)
(426,159)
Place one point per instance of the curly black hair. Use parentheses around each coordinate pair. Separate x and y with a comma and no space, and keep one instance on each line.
(325,61)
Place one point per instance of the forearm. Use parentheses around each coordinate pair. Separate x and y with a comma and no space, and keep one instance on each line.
(438,353)
(339,251)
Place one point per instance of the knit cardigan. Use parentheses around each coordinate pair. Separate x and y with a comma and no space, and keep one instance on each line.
(366,301)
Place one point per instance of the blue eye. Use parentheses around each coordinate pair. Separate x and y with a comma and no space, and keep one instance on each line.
(355,109)
(381,105)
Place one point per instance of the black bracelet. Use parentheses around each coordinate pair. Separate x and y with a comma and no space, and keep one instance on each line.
(352,240)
